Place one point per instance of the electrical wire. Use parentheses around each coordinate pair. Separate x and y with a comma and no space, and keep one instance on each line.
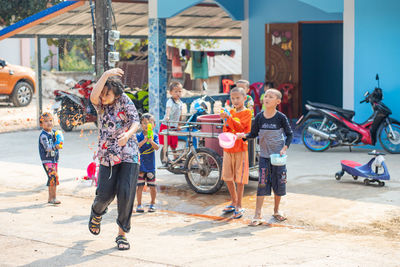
(112,12)
(92,13)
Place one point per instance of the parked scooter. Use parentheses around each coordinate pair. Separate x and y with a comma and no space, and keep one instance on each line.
(332,126)
(74,108)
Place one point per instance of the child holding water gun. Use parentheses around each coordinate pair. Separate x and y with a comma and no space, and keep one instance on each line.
(49,144)
(148,143)
(235,166)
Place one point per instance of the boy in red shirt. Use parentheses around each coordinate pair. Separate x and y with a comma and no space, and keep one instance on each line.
(235,167)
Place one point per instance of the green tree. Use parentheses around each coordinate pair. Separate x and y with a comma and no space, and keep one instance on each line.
(74,61)
(123,46)
(12,11)
(74,54)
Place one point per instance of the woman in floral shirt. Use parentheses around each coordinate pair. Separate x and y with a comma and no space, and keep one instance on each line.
(118,153)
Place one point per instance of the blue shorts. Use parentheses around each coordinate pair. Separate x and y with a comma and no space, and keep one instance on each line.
(271,178)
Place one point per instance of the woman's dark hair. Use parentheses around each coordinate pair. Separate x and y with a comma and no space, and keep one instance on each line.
(115,84)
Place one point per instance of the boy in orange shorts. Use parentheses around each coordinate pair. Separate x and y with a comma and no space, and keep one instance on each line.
(235,167)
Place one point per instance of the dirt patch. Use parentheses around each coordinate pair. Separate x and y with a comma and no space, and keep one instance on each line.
(388,227)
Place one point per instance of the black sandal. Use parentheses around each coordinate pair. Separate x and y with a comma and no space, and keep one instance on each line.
(121,240)
(94,224)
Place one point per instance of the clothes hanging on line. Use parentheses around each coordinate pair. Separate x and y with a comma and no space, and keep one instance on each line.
(230,53)
(189,69)
(199,65)
(185,53)
(174,55)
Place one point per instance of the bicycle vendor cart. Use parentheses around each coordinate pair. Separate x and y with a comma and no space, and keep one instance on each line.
(200,162)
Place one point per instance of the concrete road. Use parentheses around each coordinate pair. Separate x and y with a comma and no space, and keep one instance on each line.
(329,222)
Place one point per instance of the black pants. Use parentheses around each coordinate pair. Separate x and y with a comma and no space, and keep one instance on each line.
(118,180)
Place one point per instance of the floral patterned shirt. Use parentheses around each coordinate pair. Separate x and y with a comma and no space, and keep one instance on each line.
(113,120)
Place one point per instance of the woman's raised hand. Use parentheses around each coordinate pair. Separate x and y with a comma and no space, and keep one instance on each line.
(114,72)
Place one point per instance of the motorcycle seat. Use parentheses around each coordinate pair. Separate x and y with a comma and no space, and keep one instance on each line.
(348,114)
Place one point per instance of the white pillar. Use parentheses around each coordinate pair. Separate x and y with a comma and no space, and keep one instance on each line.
(245,42)
(153,9)
(348,54)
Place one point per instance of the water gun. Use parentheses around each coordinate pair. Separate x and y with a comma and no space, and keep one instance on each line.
(59,138)
(150,133)
(226,111)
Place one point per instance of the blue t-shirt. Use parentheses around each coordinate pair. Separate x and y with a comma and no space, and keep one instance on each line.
(147,154)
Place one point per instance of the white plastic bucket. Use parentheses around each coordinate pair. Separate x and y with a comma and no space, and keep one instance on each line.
(278,160)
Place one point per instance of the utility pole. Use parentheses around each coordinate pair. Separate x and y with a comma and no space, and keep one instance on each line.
(103,26)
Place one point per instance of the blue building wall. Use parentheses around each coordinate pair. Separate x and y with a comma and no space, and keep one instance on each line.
(377,42)
(262,12)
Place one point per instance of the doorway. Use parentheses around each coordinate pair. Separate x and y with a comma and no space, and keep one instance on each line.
(305,61)
(322,63)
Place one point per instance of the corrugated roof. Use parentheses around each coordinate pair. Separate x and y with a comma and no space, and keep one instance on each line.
(132,20)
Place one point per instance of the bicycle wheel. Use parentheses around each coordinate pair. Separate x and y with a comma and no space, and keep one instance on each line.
(204,175)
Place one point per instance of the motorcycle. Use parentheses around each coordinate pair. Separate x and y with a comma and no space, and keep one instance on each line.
(329,126)
(73,109)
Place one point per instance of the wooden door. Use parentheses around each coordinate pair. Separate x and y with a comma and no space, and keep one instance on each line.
(282,62)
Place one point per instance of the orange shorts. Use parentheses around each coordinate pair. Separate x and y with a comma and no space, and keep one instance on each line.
(235,167)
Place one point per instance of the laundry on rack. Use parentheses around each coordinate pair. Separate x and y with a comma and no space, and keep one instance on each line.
(199,65)
(189,69)
(230,53)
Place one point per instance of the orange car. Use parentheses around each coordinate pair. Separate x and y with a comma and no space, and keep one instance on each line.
(17,82)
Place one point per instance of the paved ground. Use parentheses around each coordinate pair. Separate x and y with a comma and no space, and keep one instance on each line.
(330,222)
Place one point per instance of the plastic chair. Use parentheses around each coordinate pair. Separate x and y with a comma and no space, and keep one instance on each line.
(286,105)
(256,90)
(226,85)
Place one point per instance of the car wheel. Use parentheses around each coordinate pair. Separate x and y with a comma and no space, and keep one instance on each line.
(22,94)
